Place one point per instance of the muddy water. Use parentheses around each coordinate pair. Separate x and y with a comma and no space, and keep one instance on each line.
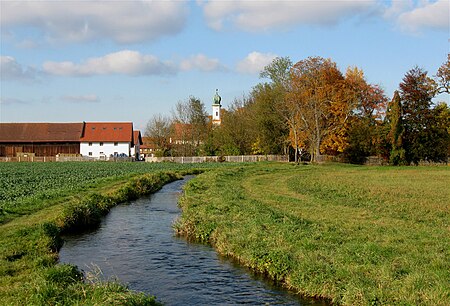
(135,244)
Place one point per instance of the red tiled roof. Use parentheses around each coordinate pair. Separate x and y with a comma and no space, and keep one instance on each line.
(40,132)
(108,132)
(137,138)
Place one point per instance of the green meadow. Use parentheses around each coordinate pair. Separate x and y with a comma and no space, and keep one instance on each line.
(354,235)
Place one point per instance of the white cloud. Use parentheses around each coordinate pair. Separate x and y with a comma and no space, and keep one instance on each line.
(255,62)
(265,15)
(125,62)
(82,99)
(429,14)
(202,63)
(11,70)
(79,21)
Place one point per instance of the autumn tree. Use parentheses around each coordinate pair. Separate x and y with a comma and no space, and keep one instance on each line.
(362,130)
(320,99)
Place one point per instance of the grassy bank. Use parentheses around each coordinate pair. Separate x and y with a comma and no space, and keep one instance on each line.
(355,235)
(34,220)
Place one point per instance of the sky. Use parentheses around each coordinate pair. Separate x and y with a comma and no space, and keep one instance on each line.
(74,61)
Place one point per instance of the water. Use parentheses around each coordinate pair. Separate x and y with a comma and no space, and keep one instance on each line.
(136,244)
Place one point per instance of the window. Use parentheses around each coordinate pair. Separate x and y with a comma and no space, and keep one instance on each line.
(101,144)
(217,114)
(90,153)
(101,153)
(93,128)
(116,144)
(90,144)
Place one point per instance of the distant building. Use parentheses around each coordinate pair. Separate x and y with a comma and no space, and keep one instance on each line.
(148,147)
(90,139)
(216,118)
(40,139)
(137,142)
(105,139)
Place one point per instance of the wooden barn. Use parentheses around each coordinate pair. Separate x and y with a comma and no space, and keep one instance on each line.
(40,139)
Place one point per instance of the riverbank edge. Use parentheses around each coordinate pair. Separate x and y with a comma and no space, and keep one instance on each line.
(31,271)
(200,230)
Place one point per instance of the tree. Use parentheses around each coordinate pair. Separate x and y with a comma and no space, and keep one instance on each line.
(320,101)
(198,119)
(190,126)
(159,129)
(278,71)
(270,107)
(269,124)
(416,93)
(362,131)
(236,134)
(396,130)
(443,77)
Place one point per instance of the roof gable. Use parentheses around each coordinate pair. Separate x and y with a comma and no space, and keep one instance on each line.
(108,132)
(137,138)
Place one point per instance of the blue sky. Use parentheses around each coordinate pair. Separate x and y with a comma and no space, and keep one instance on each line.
(72,61)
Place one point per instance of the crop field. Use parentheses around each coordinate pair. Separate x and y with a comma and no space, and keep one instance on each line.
(41,201)
(28,187)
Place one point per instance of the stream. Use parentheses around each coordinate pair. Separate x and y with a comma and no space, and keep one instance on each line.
(135,244)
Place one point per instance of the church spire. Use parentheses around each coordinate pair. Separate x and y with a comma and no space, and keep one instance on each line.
(216,120)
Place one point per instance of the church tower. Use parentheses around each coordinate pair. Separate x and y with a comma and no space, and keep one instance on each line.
(216,120)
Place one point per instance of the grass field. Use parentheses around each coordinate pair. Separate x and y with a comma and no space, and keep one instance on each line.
(40,201)
(355,235)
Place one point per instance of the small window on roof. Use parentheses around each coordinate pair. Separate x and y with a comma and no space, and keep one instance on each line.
(115,128)
(120,128)
(104,128)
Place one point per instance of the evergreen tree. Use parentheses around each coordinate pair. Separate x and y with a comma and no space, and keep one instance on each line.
(396,130)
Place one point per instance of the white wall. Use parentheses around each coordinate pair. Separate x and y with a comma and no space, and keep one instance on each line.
(107,148)
(135,150)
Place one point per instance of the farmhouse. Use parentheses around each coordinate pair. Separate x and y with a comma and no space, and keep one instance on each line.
(40,139)
(103,139)
(90,139)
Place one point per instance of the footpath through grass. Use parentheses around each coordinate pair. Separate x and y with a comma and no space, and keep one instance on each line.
(41,201)
(353,234)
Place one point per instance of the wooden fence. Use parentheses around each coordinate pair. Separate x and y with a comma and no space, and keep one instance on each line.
(206,159)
